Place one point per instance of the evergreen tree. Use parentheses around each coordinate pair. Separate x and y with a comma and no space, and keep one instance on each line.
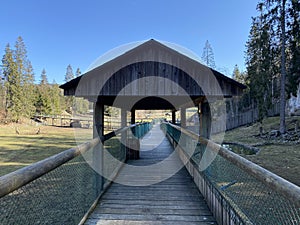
(26,75)
(29,98)
(260,63)
(13,85)
(293,24)
(69,100)
(273,52)
(44,103)
(44,79)
(208,56)
(56,95)
(78,72)
(69,74)
(277,16)
(19,82)
(282,127)
(2,94)
(238,76)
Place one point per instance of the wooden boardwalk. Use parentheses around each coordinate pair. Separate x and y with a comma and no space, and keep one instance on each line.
(175,200)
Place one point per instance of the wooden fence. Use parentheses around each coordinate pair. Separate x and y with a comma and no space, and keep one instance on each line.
(236,118)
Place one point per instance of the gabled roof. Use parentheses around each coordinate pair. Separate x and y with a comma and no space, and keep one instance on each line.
(120,50)
(145,51)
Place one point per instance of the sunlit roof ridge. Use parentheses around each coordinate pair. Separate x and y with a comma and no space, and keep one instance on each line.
(120,50)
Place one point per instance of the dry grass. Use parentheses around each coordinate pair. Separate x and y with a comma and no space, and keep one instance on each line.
(280,158)
(19,150)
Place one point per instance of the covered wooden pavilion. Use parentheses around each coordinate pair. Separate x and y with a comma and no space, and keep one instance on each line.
(151,75)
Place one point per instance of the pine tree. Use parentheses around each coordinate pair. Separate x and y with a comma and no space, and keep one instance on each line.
(43,103)
(277,15)
(282,127)
(56,95)
(44,79)
(28,87)
(208,56)
(293,24)
(273,50)
(26,74)
(78,72)
(69,74)
(259,63)
(13,85)
(2,94)
(69,100)
(238,76)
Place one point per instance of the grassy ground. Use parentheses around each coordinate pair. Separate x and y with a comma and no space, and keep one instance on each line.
(19,150)
(282,158)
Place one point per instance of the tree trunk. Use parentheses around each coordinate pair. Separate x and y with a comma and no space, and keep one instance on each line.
(283,71)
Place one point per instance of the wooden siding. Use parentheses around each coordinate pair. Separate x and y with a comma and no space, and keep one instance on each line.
(152,59)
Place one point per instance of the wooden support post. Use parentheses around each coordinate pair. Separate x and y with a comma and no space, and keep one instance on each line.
(183,117)
(173,116)
(98,131)
(183,140)
(132,116)
(205,120)
(124,134)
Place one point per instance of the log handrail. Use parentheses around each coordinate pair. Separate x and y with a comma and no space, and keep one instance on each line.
(14,180)
(275,182)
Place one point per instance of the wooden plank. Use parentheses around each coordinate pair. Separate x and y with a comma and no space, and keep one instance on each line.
(152,202)
(132,222)
(154,217)
(152,211)
(151,205)
(175,200)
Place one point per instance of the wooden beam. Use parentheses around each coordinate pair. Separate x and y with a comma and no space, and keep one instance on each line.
(98,131)
(205,120)
(173,116)
(132,116)
(183,117)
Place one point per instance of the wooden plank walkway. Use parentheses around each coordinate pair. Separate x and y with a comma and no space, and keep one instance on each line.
(175,200)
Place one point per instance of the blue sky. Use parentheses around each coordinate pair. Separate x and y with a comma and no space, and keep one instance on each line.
(62,32)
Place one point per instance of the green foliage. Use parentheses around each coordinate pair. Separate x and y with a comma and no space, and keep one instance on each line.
(21,97)
(44,79)
(56,100)
(81,106)
(19,79)
(293,24)
(260,63)
(273,52)
(239,76)
(50,97)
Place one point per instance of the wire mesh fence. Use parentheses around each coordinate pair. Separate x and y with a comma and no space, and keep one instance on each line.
(65,194)
(61,196)
(251,200)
